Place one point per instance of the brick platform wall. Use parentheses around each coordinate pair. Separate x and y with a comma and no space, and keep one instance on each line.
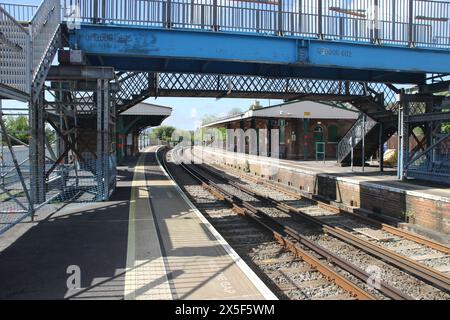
(391,203)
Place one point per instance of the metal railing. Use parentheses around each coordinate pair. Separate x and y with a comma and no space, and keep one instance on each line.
(422,23)
(15,50)
(22,13)
(354,136)
(44,26)
(25,50)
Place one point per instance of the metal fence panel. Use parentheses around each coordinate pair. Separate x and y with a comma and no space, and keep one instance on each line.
(15,51)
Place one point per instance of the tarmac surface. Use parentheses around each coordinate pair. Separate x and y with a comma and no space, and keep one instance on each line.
(146,242)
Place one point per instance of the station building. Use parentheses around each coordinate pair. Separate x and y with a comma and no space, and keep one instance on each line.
(307,130)
(131,123)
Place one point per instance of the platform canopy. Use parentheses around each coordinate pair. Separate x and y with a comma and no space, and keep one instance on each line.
(144,115)
(291,110)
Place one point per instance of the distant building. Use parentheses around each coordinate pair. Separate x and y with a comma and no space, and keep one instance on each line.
(132,121)
(305,128)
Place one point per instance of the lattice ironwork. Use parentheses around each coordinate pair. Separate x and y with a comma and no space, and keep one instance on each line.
(434,163)
(430,158)
(136,87)
(233,85)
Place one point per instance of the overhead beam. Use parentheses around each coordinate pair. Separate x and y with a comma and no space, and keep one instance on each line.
(146,44)
(79,73)
(80,85)
(434,87)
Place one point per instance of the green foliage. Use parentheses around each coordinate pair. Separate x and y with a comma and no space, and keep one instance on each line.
(163,133)
(234,111)
(19,128)
(418,131)
(247,166)
(182,135)
(50,135)
(446,127)
(207,118)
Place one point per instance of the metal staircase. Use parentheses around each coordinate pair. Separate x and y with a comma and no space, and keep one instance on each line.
(29,39)
(380,114)
(46,39)
(135,87)
(15,59)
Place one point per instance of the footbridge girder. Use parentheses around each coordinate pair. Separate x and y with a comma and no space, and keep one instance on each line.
(159,50)
(166,84)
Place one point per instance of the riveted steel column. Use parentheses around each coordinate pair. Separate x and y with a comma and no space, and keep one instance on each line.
(37,149)
(380,147)
(106,139)
(401,136)
(363,143)
(102,163)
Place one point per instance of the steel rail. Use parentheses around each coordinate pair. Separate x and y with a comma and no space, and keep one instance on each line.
(421,271)
(302,195)
(281,232)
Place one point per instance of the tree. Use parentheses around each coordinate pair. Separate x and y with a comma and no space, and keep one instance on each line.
(234,111)
(163,133)
(207,118)
(18,127)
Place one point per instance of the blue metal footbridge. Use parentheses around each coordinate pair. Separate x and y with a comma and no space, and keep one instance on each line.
(113,54)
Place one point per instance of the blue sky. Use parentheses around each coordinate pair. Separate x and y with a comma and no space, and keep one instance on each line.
(187,112)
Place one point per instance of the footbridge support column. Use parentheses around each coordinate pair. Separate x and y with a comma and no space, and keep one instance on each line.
(37,149)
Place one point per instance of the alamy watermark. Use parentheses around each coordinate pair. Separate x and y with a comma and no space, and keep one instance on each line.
(72,17)
(73,281)
(238,144)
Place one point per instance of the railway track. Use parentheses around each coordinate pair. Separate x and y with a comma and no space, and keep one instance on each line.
(378,231)
(315,267)
(302,214)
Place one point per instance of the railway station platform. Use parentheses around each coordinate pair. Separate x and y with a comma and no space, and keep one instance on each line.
(146,242)
(418,206)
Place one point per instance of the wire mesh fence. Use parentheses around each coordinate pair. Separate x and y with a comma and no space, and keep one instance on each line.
(434,163)
(65,175)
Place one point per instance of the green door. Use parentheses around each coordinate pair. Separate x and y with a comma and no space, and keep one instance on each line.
(318,137)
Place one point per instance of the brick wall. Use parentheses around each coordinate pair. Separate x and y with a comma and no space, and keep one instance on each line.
(412,207)
(294,150)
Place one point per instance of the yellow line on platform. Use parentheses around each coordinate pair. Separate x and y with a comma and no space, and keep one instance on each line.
(131,245)
(146,274)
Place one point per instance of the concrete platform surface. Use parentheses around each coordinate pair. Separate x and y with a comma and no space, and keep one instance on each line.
(147,242)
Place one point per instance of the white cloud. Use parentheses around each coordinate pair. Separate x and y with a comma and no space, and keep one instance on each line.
(193,112)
